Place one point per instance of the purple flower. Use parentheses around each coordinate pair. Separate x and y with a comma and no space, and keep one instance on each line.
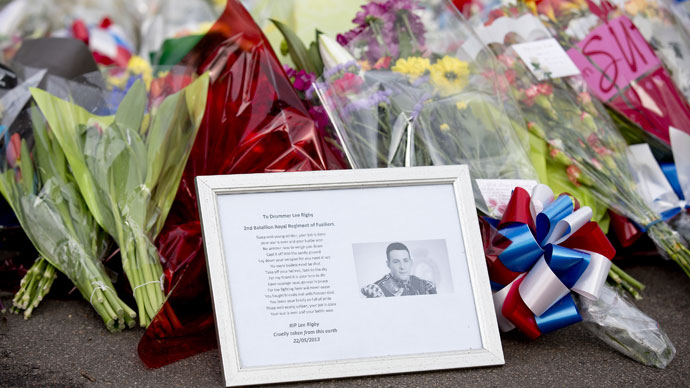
(378,24)
(321,119)
(303,80)
(380,96)
(419,105)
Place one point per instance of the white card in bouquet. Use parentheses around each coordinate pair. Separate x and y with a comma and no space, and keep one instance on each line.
(497,192)
(329,274)
(546,59)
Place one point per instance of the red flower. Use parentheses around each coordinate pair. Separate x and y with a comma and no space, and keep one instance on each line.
(382,63)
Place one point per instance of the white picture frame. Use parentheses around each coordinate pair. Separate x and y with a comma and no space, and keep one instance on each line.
(253,354)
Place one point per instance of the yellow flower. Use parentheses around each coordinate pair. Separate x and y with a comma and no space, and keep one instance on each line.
(444,127)
(138,65)
(461,105)
(414,67)
(449,75)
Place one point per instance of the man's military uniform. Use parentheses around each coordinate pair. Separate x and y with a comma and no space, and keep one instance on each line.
(390,286)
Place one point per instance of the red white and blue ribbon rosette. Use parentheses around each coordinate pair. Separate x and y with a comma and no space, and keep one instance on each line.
(542,250)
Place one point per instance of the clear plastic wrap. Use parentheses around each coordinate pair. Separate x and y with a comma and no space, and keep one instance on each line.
(616,321)
(127,159)
(624,62)
(39,186)
(414,95)
(254,122)
(577,128)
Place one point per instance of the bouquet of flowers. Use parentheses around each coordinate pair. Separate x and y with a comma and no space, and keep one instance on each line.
(619,65)
(410,94)
(254,122)
(579,132)
(42,191)
(127,167)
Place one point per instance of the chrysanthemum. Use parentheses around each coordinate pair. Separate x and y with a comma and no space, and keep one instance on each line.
(414,67)
(449,75)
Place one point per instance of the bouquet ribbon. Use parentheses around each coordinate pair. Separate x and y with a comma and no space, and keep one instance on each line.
(545,248)
(666,186)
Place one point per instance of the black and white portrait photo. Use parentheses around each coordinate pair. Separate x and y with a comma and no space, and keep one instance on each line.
(402,268)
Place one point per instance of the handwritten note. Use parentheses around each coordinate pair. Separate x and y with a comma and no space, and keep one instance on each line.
(546,58)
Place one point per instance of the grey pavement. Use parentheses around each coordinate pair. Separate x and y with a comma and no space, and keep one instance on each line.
(65,344)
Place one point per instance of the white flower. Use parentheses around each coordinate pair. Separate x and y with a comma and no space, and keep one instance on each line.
(332,53)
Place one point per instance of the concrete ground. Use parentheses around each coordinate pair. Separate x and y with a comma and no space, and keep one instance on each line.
(65,345)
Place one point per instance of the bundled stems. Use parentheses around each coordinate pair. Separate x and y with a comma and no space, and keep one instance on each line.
(671,244)
(622,280)
(33,287)
(140,262)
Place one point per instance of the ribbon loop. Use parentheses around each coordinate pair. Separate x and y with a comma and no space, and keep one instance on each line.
(523,251)
(561,314)
(551,215)
(567,264)
(542,288)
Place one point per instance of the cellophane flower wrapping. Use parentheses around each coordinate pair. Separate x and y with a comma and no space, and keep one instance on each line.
(414,96)
(254,122)
(619,323)
(127,149)
(41,189)
(578,130)
(619,62)
(545,102)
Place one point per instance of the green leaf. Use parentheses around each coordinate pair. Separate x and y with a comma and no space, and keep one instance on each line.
(27,168)
(174,128)
(315,56)
(132,108)
(298,51)
(65,120)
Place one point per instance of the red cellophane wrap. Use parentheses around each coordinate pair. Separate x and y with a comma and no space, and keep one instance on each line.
(254,122)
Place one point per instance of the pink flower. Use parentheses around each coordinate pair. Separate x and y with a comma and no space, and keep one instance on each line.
(545,89)
(348,83)
(532,91)
(573,174)
(510,76)
(585,97)
(599,148)
(506,60)
(597,164)
(13,150)
(554,152)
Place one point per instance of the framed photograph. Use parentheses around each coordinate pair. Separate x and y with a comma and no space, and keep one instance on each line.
(328,274)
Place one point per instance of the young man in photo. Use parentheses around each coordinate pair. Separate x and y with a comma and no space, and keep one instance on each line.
(400,281)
